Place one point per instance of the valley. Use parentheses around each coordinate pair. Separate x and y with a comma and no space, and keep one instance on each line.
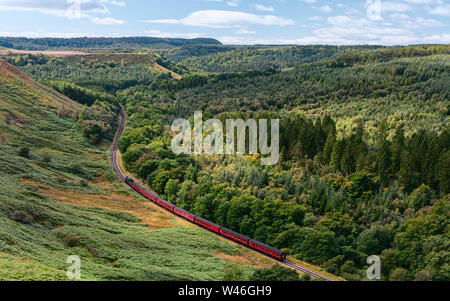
(60,197)
(364,159)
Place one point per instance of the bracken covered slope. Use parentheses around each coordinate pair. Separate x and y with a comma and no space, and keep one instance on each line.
(59,197)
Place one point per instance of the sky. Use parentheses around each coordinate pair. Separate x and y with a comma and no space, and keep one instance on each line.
(235,22)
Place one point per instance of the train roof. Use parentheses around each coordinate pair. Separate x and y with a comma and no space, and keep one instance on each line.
(149,192)
(152,194)
(207,221)
(185,211)
(137,184)
(162,200)
(266,246)
(235,233)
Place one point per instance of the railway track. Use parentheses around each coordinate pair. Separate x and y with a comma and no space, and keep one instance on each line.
(115,148)
(304,270)
(121,176)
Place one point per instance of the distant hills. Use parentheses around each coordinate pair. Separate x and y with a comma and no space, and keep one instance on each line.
(109,43)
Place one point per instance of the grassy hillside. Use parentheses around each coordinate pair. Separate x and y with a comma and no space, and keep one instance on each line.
(59,197)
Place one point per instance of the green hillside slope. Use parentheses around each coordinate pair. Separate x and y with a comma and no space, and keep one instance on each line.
(59,197)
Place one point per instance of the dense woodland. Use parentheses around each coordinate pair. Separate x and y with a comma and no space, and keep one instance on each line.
(178,54)
(260,58)
(99,43)
(331,201)
(102,72)
(365,146)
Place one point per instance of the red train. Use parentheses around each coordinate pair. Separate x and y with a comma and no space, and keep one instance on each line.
(253,244)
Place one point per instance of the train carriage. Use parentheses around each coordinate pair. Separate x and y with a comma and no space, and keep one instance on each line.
(147,194)
(266,249)
(165,204)
(253,244)
(183,213)
(207,224)
(234,236)
(168,206)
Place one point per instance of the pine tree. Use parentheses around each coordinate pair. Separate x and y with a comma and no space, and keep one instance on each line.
(443,172)
(336,155)
(408,178)
(429,164)
(329,128)
(348,160)
(328,149)
(397,148)
(383,156)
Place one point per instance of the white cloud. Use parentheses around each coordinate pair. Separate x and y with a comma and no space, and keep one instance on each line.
(424,1)
(416,23)
(244,31)
(325,9)
(438,39)
(399,17)
(394,6)
(441,10)
(118,3)
(315,18)
(346,30)
(54,7)
(352,30)
(230,40)
(159,34)
(225,19)
(107,21)
(420,22)
(66,8)
(263,8)
(233,3)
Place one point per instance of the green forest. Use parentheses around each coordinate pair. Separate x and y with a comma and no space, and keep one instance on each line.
(119,44)
(364,141)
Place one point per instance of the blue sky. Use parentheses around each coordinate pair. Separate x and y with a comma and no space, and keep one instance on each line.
(342,22)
